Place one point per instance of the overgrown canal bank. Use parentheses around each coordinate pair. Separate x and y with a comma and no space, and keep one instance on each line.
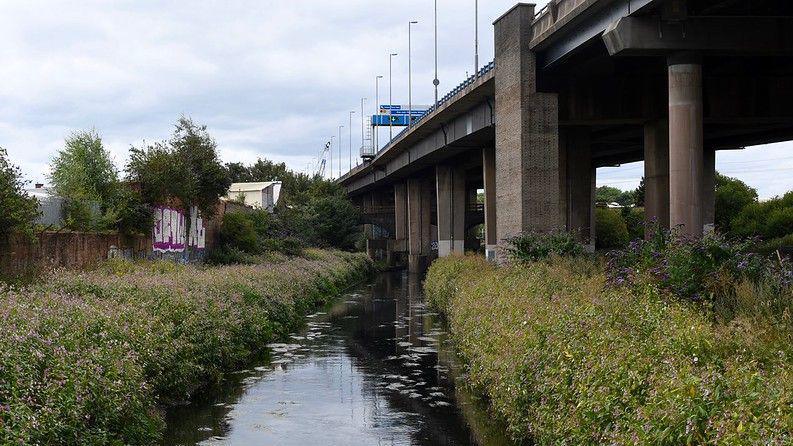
(567,360)
(93,357)
(374,367)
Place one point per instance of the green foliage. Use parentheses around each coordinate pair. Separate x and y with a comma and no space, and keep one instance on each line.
(334,221)
(186,168)
(634,222)
(611,232)
(83,169)
(639,193)
(19,210)
(564,360)
(237,232)
(768,219)
(608,194)
(732,196)
(533,246)
(245,235)
(92,357)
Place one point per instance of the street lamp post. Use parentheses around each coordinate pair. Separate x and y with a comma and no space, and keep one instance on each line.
(363,123)
(340,127)
(435,81)
(410,78)
(390,97)
(331,157)
(377,112)
(351,113)
(476,38)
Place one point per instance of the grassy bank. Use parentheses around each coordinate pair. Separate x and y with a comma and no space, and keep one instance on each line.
(93,357)
(567,360)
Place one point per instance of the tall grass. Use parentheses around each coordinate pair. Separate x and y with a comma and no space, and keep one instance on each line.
(565,359)
(92,357)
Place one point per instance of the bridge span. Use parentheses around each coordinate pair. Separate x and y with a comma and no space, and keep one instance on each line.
(579,85)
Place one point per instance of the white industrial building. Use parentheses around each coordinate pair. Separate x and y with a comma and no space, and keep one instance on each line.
(257,195)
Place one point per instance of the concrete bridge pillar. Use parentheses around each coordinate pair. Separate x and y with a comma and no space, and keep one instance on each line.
(489,176)
(686,142)
(578,184)
(400,217)
(527,140)
(451,197)
(656,175)
(419,215)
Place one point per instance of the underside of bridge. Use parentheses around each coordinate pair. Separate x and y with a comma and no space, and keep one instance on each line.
(586,84)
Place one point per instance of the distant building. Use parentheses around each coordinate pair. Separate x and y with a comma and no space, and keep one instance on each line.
(257,195)
(50,205)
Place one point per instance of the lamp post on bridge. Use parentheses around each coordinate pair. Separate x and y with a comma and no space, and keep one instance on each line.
(376,128)
(390,96)
(331,157)
(340,127)
(410,77)
(435,81)
(476,38)
(351,113)
(363,126)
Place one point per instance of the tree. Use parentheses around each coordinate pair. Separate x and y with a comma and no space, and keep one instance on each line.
(732,196)
(19,209)
(83,169)
(608,194)
(638,194)
(186,169)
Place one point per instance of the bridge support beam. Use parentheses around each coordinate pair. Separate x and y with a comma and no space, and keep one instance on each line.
(419,207)
(656,175)
(709,189)
(527,135)
(489,177)
(686,142)
(400,217)
(451,197)
(579,179)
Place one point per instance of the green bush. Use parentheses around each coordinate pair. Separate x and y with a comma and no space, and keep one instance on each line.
(19,210)
(237,232)
(288,246)
(634,222)
(732,196)
(611,232)
(564,360)
(535,246)
(92,357)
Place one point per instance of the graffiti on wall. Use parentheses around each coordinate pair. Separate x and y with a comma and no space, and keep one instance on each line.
(170,230)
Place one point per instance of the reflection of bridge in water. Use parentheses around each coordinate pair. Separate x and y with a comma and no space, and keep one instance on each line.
(580,85)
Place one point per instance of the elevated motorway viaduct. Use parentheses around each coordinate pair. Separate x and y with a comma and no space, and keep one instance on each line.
(579,85)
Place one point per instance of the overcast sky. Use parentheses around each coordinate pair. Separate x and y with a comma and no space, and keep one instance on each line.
(271,79)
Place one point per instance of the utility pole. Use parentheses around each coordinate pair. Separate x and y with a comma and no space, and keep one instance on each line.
(351,113)
(476,38)
(377,112)
(390,97)
(363,123)
(435,81)
(340,127)
(410,79)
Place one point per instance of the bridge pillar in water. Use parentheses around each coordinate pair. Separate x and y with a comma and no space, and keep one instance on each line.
(400,217)
(419,215)
(686,140)
(656,175)
(527,135)
(451,198)
(578,183)
(489,177)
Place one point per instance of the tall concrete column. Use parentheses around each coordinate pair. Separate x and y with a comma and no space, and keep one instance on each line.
(656,174)
(451,196)
(400,217)
(709,190)
(685,145)
(419,206)
(580,194)
(527,141)
(489,176)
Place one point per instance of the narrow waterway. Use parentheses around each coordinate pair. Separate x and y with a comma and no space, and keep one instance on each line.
(374,368)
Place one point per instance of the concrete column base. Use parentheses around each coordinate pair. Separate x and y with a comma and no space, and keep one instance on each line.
(417,263)
(491,253)
(447,247)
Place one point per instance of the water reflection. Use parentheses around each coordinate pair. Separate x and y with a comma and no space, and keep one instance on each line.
(365,371)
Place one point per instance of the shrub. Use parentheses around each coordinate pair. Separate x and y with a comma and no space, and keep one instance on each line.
(533,246)
(732,196)
(564,360)
(634,222)
(610,229)
(288,246)
(237,233)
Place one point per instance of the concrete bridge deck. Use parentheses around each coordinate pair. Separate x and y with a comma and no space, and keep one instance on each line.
(579,85)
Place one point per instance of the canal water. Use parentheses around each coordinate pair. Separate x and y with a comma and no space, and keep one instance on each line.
(374,368)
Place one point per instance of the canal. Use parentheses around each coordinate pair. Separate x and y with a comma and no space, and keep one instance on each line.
(373,368)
